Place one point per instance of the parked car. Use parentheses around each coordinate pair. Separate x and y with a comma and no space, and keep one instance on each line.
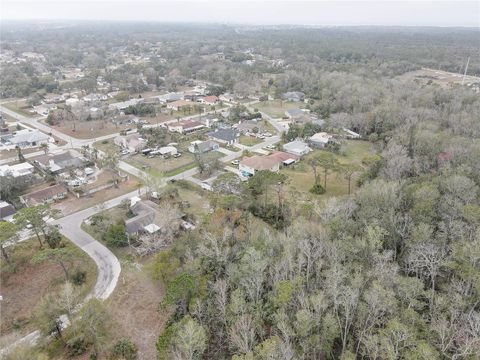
(235,162)
(177,155)
(206,186)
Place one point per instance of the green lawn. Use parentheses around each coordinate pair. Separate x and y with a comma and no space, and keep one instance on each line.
(20,107)
(249,140)
(301,178)
(277,108)
(168,167)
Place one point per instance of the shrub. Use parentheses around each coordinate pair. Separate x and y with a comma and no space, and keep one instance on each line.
(317,189)
(78,277)
(76,346)
(116,236)
(124,349)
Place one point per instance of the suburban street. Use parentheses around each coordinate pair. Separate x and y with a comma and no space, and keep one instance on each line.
(107,263)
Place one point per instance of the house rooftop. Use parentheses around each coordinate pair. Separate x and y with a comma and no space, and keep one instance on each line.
(39,196)
(224,134)
(259,162)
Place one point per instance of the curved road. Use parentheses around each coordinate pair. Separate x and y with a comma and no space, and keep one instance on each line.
(70,226)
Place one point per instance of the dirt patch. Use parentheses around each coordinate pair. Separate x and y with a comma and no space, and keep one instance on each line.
(134,309)
(22,290)
(73,204)
(89,129)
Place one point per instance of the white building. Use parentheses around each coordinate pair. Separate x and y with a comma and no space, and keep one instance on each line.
(297,147)
(16,170)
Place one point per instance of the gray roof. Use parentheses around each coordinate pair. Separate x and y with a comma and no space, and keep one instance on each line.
(29,137)
(293,94)
(6,209)
(295,112)
(224,134)
(207,146)
(145,212)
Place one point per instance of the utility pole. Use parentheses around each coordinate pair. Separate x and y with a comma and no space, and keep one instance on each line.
(466,68)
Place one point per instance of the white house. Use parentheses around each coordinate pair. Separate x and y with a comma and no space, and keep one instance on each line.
(351,134)
(167,150)
(319,140)
(132,142)
(17,170)
(297,147)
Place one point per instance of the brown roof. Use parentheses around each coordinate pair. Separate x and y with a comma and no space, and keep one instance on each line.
(210,99)
(188,124)
(281,156)
(179,103)
(259,162)
(39,196)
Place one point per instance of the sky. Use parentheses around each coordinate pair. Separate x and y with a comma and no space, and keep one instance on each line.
(264,12)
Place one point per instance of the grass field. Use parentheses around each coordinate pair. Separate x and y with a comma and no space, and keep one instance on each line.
(277,108)
(19,302)
(21,107)
(90,129)
(249,140)
(301,178)
(167,167)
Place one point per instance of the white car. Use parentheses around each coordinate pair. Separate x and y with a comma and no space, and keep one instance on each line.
(235,162)
(206,186)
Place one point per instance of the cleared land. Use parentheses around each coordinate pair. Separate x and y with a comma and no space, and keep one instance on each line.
(158,166)
(89,129)
(19,302)
(301,178)
(249,140)
(443,78)
(19,106)
(277,108)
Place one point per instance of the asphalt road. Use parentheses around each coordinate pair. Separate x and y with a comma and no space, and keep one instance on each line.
(70,226)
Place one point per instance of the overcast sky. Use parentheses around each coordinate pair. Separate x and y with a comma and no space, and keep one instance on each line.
(407,13)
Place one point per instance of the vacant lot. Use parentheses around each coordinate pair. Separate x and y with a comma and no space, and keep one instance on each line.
(157,166)
(89,129)
(23,284)
(21,107)
(443,78)
(277,108)
(249,140)
(301,178)
(133,308)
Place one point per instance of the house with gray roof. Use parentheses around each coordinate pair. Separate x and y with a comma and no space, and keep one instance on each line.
(295,96)
(227,136)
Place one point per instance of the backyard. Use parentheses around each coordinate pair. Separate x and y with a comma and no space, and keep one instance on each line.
(249,140)
(157,166)
(89,129)
(301,178)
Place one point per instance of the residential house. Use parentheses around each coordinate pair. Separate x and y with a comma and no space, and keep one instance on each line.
(17,170)
(145,219)
(295,96)
(132,142)
(167,150)
(227,136)
(320,140)
(190,95)
(248,166)
(178,105)
(297,147)
(351,134)
(44,109)
(57,163)
(124,104)
(299,116)
(72,102)
(185,126)
(200,147)
(47,195)
(209,100)
(166,98)
(6,211)
(249,126)
(26,138)
(227,97)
